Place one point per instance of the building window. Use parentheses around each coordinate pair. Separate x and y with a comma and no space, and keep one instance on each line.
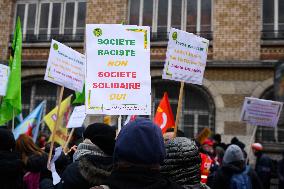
(34,91)
(269,134)
(190,15)
(198,110)
(273,19)
(63,20)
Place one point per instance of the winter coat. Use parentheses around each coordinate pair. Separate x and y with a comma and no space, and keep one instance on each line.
(196,186)
(62,162)
(139,178)
(11,170)
(91,168)
(206,165)
(280,172)
(220,179)
(38,164)
(263,168)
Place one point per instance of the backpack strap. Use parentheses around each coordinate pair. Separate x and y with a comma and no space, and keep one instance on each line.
(248,170)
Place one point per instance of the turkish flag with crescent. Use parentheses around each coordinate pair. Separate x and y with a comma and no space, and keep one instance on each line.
(164,117)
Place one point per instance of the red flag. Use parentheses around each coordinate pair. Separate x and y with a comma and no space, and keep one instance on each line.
(130,118)
(164,117)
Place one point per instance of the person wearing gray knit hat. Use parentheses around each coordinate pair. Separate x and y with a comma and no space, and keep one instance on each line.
(234,173)
(182,163)
(233,154)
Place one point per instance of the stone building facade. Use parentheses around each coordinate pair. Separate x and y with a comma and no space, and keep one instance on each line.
(246,42)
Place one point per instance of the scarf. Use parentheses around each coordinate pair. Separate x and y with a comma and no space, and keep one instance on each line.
(87,148)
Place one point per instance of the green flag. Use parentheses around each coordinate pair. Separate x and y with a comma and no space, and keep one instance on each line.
(79,97)
(12,101)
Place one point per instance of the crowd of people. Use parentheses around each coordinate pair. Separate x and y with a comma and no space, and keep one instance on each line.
(138,157)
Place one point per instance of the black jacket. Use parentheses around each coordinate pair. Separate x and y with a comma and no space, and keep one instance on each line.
(263,168)
(38,164)
(11,170)
(89,171)
(139,178)
(220,179)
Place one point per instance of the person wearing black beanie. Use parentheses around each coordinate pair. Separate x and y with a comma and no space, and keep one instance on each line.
(11,166)
(92,160)
(101,135)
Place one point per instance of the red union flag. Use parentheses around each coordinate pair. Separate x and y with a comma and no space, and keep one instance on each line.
(164,117)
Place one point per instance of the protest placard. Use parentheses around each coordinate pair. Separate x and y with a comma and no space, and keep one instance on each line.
(186,57)
(185,61)
(77,117)
(118,80)
(203,135)
(261,112)
(65,67)
(4,77)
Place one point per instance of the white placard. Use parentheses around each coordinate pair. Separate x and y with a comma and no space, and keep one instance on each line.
(65,67)
(118,80)
(261,112)
(55,177)
(4,77)
(186,57)
(77,117)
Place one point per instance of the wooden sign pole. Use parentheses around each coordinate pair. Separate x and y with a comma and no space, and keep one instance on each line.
(179,108)
(68,140)
(119,123)
(13,121)
(250,142)
(55,127)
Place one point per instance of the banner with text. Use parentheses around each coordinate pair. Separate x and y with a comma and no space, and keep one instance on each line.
(118,80)
(4,77)
(186,57)
(77,117)
(65,67)
(261,112)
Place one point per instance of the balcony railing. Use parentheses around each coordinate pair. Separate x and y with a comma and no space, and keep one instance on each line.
(273,35)
(41,38)
(163,36)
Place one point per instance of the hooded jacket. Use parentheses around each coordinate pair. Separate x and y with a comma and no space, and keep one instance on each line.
(11,170)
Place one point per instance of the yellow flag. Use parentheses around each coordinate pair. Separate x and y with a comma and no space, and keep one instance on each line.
(204,134)
(107,120)
(50,118)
